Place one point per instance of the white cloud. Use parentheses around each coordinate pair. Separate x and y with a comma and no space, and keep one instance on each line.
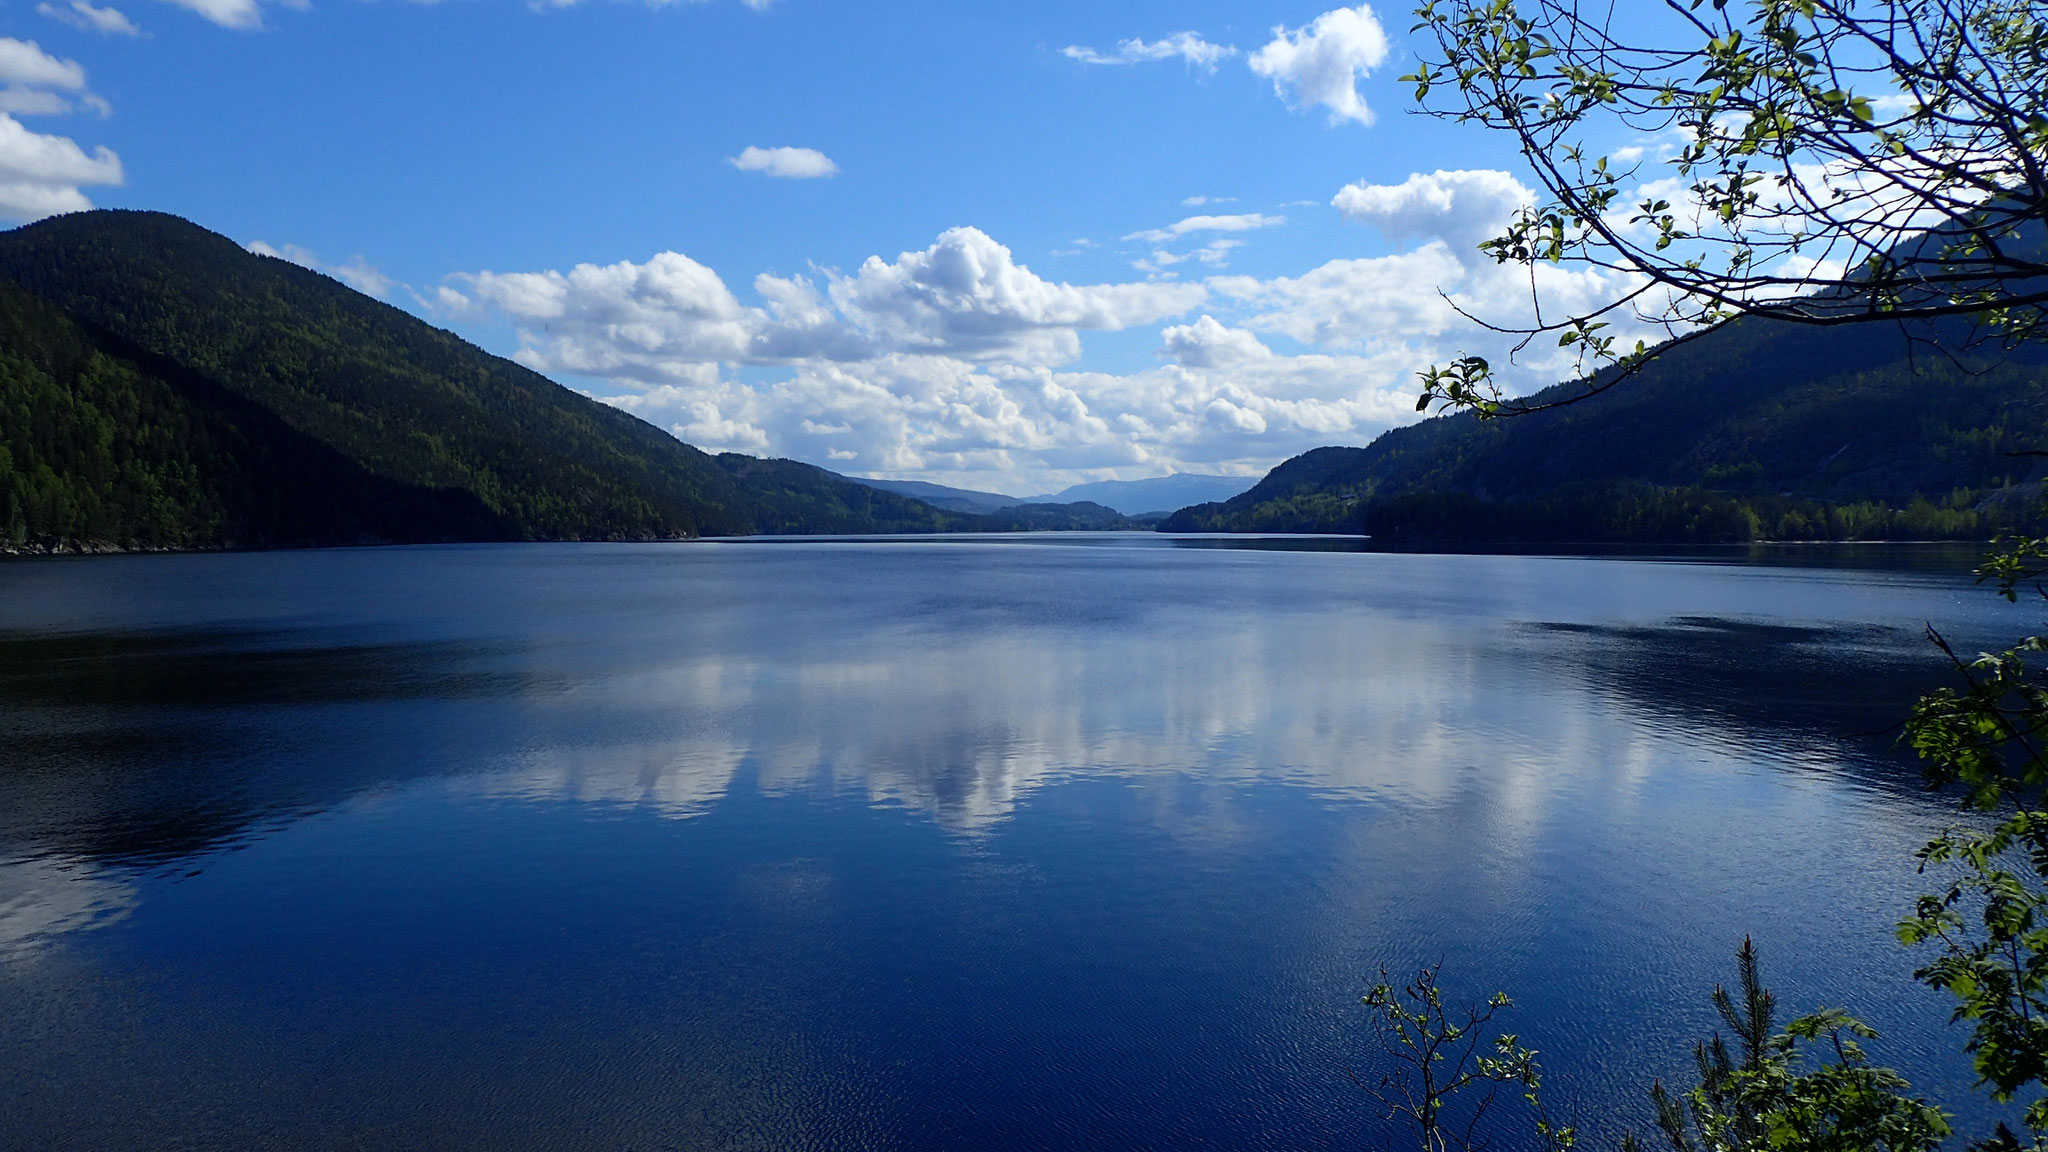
(1031,427)
(238,14)
(248,14)
(952,362)
(1321,63)
(1188,46)
(655,322)
(1214,254)
(292,252)
(35,83)
(786,163)
(364,277)
(673,319)
(1243,222)
(80,14)
(32,102)
(24,64)
(27,200)
(42,175)
(1198,201)
(1232,417)
(357,273)
(1345,302)
(967,295)
(1462,208)
(1207,343)
(1420,303)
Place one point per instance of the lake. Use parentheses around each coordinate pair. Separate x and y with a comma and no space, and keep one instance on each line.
(1053,842)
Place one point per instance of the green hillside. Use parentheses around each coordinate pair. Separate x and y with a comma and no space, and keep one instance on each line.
(1755,432)
(97,446)
(165,387)
(790,498)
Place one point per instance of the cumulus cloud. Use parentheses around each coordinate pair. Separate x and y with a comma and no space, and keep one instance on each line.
(1425,299)
(1322,62)
(966,294)
(79,14)
(42,175)
(953,362)
(785,163)
(1463,208)
(1032,426)
(1208,343)
(673,319)
(23,63)
(941,359)
(1421,299)
(35,83)
(1344,302)
(658,322)
(1188,46)
(1456,211)
(357,272)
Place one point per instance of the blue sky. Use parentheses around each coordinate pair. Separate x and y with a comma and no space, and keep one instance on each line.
(1006,245)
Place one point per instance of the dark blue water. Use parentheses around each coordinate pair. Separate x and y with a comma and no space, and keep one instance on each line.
(923,845)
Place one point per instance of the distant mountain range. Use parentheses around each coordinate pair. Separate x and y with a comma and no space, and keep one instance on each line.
(163,387)
(940,496)
(1756,431)
(1155,496)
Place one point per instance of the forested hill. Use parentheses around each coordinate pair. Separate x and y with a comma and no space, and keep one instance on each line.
(1756,431)
(161,386)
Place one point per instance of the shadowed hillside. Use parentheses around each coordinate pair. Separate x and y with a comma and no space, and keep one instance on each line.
(1755,432)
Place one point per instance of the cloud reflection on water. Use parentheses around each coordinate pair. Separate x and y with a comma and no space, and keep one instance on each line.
(43,900)
(958,691)
(965,726)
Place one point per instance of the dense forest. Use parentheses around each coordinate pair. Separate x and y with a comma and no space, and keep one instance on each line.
(1758,431)
(102,444)
(163,387)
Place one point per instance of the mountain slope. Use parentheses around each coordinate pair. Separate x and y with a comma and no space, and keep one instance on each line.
(100,443)
(1759,430)
(940,496)
(1075,516)
(476,446)
(1153,494)
(792,498)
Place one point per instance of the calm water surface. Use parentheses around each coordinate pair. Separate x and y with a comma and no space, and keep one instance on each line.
(1058,843)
